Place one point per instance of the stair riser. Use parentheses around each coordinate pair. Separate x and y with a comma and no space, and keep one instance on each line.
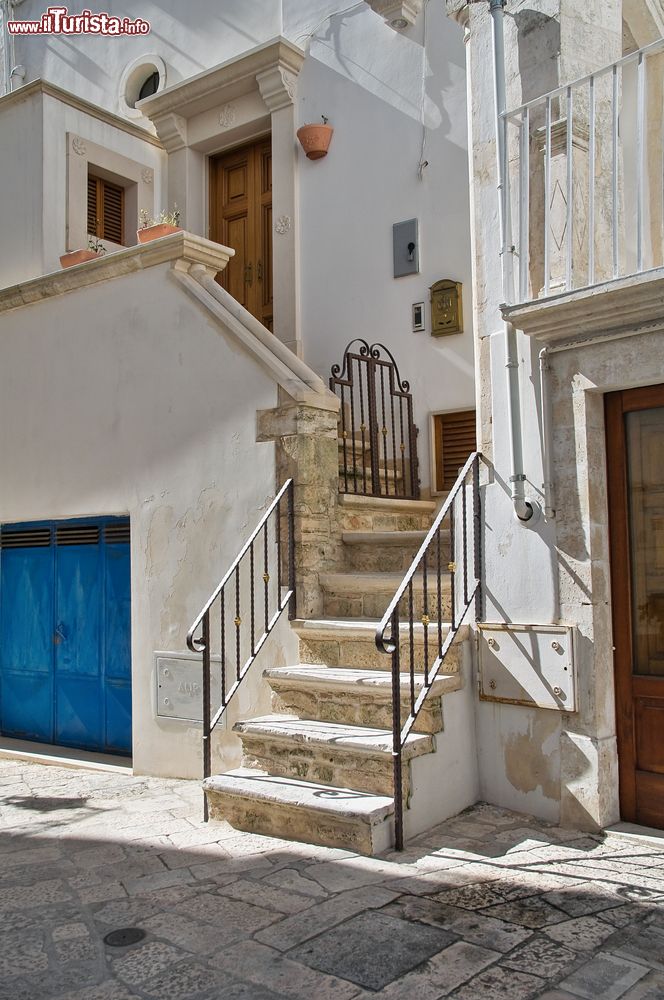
(362,653)
(374,559)
(349,604)
(352,708)
(382,520)
(326,766)
(291,822)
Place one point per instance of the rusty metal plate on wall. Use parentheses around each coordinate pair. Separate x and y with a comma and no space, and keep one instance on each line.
(179,679)
(527,665)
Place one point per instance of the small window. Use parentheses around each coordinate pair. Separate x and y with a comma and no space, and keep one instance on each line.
(105,210)
(454,441)
(150,86)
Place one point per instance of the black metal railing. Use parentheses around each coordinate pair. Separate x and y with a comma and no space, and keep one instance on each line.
(448,567)
(238,617)
(378,435)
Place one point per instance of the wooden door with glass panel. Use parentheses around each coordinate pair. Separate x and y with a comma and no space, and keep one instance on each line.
(635,453)
(241,218)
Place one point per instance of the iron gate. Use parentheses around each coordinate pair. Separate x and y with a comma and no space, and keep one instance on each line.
(378,437)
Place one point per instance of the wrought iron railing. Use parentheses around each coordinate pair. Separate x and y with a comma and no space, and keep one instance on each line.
(233,625)
(457,560)
(377,430)
(585,181)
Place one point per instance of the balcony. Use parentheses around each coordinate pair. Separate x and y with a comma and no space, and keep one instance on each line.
(585,183)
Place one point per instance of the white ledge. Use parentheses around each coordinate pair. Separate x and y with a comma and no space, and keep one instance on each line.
(611,307)
(182,246)
(65,97)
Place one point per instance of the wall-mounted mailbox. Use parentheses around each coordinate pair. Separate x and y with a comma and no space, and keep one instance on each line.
(528,665)
(406,248)
(446,308)
(180,686)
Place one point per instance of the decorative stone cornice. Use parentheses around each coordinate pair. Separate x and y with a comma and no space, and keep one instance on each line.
(182,249)
(614,306)
(277,87)
(271,68)
(172,130)
(398,14)
(50,90)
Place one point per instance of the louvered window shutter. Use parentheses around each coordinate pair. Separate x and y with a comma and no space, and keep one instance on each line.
(455,441)
(105,210)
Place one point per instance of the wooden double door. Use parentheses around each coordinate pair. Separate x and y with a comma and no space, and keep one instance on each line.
(241,218)
(635,454)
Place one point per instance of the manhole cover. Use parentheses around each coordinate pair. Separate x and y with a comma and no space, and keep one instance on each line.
(123,937)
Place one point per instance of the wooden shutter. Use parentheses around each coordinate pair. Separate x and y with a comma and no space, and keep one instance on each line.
(454,442)
(105,210)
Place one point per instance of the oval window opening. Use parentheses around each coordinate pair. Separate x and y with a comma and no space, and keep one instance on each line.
(150,86)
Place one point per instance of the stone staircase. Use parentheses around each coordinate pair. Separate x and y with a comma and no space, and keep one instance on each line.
(319,769)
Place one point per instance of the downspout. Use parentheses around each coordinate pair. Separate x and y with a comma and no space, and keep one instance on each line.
(6,56)
(545,402)
(524,507)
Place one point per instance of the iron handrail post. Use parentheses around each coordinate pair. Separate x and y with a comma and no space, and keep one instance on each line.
(207,753)
(397,752)
(292,604)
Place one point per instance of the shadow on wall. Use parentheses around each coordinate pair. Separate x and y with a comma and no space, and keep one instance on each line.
(538,42)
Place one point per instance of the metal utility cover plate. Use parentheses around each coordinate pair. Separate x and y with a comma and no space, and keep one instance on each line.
(405,261)
(527,665)
(180,686)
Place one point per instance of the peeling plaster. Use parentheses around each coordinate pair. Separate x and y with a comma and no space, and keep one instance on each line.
(528,765)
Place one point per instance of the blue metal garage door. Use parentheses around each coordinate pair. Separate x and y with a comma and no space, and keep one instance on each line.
(65,633)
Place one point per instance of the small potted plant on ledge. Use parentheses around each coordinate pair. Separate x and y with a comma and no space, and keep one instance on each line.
(315,139)
(94,249)
(153,229)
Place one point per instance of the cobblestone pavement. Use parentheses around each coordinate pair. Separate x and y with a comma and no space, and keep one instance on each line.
(489,905)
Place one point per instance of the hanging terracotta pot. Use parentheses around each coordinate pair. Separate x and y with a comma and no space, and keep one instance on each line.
(315,140)
(78,257)
(156,232)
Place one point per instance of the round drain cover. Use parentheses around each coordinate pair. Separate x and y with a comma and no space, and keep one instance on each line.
(123,937)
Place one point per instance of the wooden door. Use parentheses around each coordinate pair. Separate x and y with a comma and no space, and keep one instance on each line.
(241,218)
(635,454)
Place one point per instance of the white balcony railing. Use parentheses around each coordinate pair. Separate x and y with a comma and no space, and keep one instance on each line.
(585,196)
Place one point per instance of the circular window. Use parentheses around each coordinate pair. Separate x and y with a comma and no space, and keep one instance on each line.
(142,78)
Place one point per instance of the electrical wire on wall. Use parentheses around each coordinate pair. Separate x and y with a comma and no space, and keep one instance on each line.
(424,163)
(308,35)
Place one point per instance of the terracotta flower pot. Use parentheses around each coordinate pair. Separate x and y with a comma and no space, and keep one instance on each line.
(315,140)
(77,257)
(156,232)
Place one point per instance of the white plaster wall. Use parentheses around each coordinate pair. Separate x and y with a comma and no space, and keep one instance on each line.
(188,37)
(125,397)
(367,79)
(21,195)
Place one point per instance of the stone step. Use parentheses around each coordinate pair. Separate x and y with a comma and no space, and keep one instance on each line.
(367,595)
(351,643)
(355,697)
(300,810)
(386,551)
(330,753)
(361,513)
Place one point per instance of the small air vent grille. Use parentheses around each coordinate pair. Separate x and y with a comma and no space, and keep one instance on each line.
(27,538)
(117,532)
(77,534)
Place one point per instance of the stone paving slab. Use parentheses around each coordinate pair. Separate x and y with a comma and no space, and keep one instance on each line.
(491,905)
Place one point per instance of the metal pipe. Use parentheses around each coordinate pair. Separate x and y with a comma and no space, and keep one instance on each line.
(523,507)
(545,401)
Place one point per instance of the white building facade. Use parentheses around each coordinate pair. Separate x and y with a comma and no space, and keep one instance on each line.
(133,385)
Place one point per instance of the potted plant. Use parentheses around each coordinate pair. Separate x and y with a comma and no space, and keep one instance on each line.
(154,229)
(95,248)
(315,139)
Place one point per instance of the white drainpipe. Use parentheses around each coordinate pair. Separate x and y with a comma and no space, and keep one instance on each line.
(524,507)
